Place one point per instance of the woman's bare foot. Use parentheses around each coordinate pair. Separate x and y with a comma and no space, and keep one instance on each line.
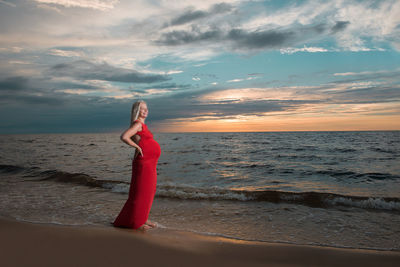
(144,227)
(151,224)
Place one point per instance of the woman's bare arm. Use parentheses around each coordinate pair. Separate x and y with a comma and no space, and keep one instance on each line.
(136,139)
(126,136)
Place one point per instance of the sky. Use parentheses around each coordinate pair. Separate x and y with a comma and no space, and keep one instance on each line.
(75,66)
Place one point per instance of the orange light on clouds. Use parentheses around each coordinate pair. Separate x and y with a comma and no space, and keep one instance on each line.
(324,115)
(278,123)
(273,93)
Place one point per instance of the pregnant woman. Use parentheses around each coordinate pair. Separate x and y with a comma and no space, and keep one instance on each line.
(136,210)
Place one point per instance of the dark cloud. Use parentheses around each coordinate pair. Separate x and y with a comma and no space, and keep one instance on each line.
(7,99)
(192,15)
(73,113)
(34,102)
(340,26)
(86,70)
(169,86)
(240,38)
(318,28)
(188,16)
(244,39)
(186,104)
(372,94)
(16,83)
(74,85)
(17,90)
(137,90)
(205,75)
(259,39)
(362,77)
(220,8)
(79,114)
(185,37)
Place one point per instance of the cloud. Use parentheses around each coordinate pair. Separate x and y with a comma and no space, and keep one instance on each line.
(339,26)
(85,70)
(192,15)
(260,39)
(219,102)
(136,27)
(19,62)
(41,90)
(251,77)
(185,37)
(92,4)
(13,49)
(20,89)
(171,86)
(65,53)
(12,84)
(7,99)
(169,72)
(72,85)
(8,3)
(388,75)
(187,106)
(345,74)
(130,36)
(243,39)
(379,22)
(310,49)
(234,80)
(205,104)
(396,71)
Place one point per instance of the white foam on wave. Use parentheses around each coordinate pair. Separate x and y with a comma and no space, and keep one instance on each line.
(118,188)
(169,190)
(182,194)
(370,203)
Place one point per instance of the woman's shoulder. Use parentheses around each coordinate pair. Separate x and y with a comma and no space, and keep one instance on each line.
(137,122)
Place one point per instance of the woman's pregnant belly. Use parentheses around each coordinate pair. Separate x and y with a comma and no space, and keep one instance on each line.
(150,148)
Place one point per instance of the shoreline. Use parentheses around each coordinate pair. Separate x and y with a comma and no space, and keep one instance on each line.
(202,235)
(206,235)
(42,244)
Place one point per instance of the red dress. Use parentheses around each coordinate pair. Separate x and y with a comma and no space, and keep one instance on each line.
(143,183)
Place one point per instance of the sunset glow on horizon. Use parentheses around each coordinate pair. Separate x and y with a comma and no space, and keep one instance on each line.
(278,124)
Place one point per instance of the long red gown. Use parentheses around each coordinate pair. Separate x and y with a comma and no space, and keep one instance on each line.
(136,209)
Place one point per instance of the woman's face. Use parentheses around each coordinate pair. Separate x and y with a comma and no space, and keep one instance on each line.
(143,110)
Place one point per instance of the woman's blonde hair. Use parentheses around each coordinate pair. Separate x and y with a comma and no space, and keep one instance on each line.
(134,115)
(135,111)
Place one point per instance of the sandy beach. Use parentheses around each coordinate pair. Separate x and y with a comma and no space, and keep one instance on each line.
(32,244)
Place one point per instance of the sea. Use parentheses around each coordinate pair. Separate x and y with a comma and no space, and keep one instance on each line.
(331,188)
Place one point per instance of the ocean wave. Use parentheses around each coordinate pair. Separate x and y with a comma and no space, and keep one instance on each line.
(354,175)
(172,191)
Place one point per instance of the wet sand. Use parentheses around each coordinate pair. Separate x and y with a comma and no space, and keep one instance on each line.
(32,244)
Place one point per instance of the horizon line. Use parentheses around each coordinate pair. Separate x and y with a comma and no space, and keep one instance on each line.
(115,132)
